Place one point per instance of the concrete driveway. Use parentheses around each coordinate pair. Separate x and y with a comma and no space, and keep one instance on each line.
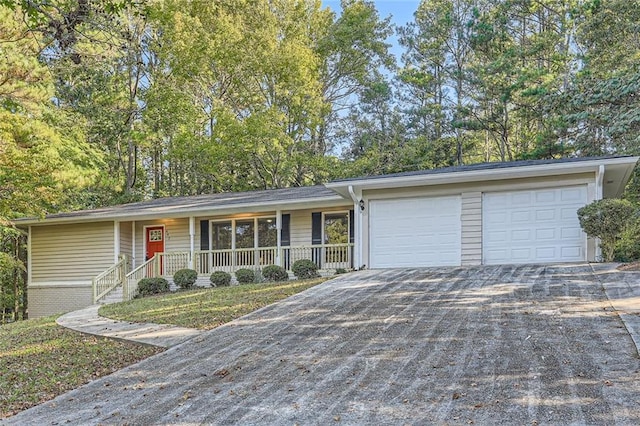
(510,345)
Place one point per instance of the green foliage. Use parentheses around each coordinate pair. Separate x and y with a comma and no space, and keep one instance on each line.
(304,269)
(151,286)
(606,219)
(245,276)
(220,279)
(627,247)
(340,271)
(185,278)
(275,273)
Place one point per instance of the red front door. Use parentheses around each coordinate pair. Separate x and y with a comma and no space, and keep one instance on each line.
(155,242)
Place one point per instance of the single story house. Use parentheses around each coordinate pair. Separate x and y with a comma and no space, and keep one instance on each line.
(490,213)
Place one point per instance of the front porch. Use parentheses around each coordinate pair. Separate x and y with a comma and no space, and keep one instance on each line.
(328,258)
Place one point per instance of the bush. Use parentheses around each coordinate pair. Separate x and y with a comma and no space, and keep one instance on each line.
(341,271)
(220,279)
(149,286)
(304,269)
(275,273)
(245,276)
(607,220)
(185,278)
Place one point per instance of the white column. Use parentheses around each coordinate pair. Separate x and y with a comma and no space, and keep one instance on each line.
(192,242)
(29,262)
(116,241)
(133,244)
(357,234)
(278,237)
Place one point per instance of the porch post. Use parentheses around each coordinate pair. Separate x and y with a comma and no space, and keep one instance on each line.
(192,238)
(116,241)
(29,267)
(278,237)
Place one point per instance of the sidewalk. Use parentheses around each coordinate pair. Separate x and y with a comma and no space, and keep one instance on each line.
(623,291)
(88,321)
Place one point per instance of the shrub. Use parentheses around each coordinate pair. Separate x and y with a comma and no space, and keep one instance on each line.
(149,286)
(304,269)
(220,279)
(245,276)
(185,278)
(340,271)
(606,219)
(275,273)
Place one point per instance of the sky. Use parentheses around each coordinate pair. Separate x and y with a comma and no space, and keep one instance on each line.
(401,12)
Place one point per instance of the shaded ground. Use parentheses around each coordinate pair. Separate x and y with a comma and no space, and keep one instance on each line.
(482,345)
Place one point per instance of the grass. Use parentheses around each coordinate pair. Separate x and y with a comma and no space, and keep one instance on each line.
(205,308)
(40,360)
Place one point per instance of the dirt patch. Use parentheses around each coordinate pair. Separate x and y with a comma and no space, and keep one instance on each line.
(631,266)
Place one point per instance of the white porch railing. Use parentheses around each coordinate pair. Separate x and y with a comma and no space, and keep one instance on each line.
(208,261)
(326,256)
(149,269)
(109,279)
(171,262)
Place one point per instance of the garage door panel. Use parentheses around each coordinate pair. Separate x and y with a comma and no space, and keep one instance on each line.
(423,231)
(533,226)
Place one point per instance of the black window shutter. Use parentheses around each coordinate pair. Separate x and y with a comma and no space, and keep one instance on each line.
(351,226)
(285,232)
(204,235)
(316,228)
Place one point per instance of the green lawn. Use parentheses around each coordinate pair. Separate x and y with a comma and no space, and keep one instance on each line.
(40,360)
(205,308)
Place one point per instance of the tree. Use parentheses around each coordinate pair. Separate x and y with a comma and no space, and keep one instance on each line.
(606,219)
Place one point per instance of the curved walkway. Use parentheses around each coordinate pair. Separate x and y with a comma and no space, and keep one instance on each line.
(88,321)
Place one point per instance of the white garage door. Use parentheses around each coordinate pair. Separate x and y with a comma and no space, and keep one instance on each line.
(533,226)
(414,232)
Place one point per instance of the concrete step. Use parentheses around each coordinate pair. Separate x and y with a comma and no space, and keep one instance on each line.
(114,296)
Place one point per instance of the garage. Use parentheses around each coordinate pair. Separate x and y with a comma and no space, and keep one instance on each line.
(415,232)
(533,226)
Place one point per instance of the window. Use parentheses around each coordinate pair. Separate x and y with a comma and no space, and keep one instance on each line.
(336,228)
(267,232)
(221,235)
(244,234)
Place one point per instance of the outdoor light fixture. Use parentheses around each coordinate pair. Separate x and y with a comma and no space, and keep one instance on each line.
(361,204)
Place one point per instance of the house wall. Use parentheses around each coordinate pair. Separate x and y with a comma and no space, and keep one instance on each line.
(471,194)
(301,223)
(64,260)
(126,241)
(176,236)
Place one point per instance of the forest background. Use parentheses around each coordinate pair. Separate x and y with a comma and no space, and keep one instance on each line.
(104,102)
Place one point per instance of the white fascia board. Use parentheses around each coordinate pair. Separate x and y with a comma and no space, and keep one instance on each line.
(175,212)
(479,175)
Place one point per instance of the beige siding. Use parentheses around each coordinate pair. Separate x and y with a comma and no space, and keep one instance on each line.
(126,239)
(67,253)
(471,218)
(50,300)
(176,236)
(300,225)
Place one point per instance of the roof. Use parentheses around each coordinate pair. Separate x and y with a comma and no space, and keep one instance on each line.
(480,167)
(616,171)
(226,202)
(615,174)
